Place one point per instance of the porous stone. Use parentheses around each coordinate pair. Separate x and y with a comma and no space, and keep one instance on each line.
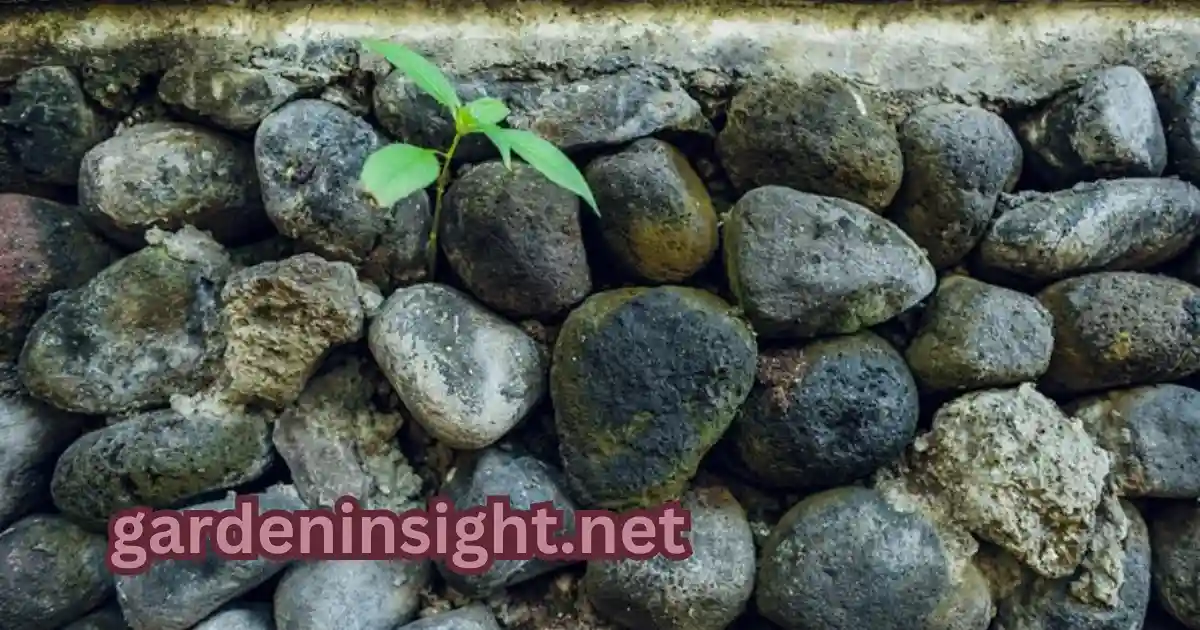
(822,136)
(1181,122)
(226,96)
(803,265)
(1114,329)
(825,413)
(309,156)
(167,175)
(974,335)
(958,159)
(1175,541)
(44,247)
(644,382)
(846,559)
(109,618)
(656,217)
(143,329)
(33,435)
(465,374)
(281,319)
(51,125)
(471,617)
(515,239)
(350,594)
(1113,225)
(51,573)
(524,481)
(707,590)
(1105,128)
(1017,472)
(251,616)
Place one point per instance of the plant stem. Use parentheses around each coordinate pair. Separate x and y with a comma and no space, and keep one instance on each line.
(431,246)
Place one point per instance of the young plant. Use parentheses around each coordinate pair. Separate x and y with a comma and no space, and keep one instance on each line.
(399,170)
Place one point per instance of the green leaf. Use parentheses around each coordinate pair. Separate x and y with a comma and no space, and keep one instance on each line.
(550,161)
(426,75)
(487,110)
(397,171)
(496,135)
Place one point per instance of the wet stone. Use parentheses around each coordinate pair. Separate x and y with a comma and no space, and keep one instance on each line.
(472,617)
(33,435)
(255,616)
(227,96)
(349,594)
(1175,540)
(51,573)
(1181,120)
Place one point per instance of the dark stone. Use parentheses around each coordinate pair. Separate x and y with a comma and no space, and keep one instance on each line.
(109,618)
(1181,119)
(51,573)
(32,435)
(227,96)
(1175,540)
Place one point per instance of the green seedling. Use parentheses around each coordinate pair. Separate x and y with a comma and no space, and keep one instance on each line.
(399,170)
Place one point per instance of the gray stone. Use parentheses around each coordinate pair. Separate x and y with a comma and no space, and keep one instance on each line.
(803,265)
(465,374)
(109,618)
(166,175)
(644,382)
(227,96)
(705,591)
(823,136)
(1115,329)
(51,125)
(656,217)
(846,559)
(471,617)
(1112,225)
(51,573)
(524,481)
(32,436)
(256,616)
(825,413)
(975,335)
(1107,127)
(310,155)
(145,328)
(350,594)
(1181,122)
(957,161)
(516,240)
(1175,541)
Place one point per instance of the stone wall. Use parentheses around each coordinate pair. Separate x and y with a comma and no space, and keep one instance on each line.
(902,303)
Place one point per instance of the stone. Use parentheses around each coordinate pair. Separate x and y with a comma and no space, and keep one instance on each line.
(465,374)
(1157,619)
(825,413)
(1175,542)
(1188,267)
(45,247)
(525,481)
(705,591)
(1017,472)
(656,217)
(350,594)
(336,442)
(975,335)
(846,559)
(227,96)
(51,124)
(823,136)
(310,154)
(1107,127)
(644,382)
(516,240)
(470,617)
(144,329)
(857,269)
(270,249)
(167,175)
(958,159)
(109,618)
(51,573)
(32,437)
(161,459)
(1153,434)
(256,616)
(282,319)
(178,594)
(1116,329)
(1181,123)
(1111,225)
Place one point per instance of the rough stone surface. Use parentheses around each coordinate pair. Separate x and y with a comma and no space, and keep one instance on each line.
(51,573)
(823,136)
(226,96)
(166,175)
(656,217)
(472,617)
(957,161)
(1181,122)
(826,413)
(635,409)
(1116,329)
(109,618)
(145,328)
(349,594)
(705,591)
(465,374)
(856,270)
(1107,127)
(1175,540)
(975,335)
(515,239)
(33,436)
(281,319)
(309,156)
(256,616)
(1113,225)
